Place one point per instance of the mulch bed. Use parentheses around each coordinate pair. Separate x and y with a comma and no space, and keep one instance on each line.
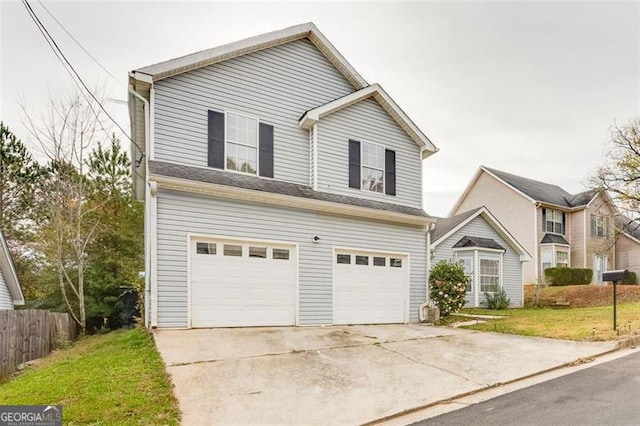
(583,296)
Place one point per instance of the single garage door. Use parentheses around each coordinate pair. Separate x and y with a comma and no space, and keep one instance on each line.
(239,283)
(370,288)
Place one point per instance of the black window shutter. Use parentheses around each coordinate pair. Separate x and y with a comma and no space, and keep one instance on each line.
(564,223)
(265,168)
(354,164)
(389,172)
(544,220)
(216,140)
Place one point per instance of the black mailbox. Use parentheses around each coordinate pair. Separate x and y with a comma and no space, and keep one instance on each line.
(613,276)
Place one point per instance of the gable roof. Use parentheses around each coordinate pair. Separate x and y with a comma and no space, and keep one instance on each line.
(445,227)
(629,226)
(8,271)
(533,190)
(312,116)
(479,242)
(542,191)
(294,194)
(203,58)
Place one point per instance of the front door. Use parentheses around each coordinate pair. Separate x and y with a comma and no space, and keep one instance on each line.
(599,266)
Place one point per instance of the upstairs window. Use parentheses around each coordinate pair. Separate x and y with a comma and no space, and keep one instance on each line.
(599,226)
(372,167)
(240,143)
(553,221)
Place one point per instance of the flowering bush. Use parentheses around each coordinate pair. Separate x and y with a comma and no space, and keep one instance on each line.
(447,283)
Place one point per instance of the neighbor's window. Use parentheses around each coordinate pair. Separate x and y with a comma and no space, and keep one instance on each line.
(546,258)
(206,248)
(554,221)
(562,259)
(467,265)
(599,226)
(242,143)
(489,275)
(372,167)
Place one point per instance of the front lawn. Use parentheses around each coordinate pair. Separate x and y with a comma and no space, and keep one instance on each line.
(114,378)
(562,323)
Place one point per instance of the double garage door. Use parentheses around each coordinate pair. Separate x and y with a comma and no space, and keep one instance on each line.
(240,283)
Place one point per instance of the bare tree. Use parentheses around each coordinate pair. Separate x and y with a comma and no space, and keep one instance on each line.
(620,175)
(66,135)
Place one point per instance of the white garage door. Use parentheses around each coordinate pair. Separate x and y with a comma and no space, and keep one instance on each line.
(370,288)
(236,283)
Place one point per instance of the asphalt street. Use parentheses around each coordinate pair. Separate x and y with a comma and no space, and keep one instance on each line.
(606,394)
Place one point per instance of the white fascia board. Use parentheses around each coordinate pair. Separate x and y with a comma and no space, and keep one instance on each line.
(9,272)
(253,44)
(495,224)
(243,194)
(314,115)
(631,237)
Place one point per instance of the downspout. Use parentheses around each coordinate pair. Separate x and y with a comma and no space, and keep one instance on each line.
(150,314)
(423,306)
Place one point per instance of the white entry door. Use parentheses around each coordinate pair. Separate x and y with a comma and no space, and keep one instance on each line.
(370,288)
(239,283)
(599,267)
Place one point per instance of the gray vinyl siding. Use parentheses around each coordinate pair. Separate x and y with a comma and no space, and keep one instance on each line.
(367,121)
(275,85)
(6,302)
(511,265)
(180,214)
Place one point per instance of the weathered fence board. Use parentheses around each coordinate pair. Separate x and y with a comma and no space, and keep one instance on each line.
(29,334)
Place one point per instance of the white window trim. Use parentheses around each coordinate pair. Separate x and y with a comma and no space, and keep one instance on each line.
(554,254)
(226,142)
(478,253)
(546,219)
(384,181)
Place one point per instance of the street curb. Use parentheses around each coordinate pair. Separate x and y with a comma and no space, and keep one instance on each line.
(621,344)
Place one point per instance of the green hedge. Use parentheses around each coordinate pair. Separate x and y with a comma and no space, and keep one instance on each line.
(568,276)
(631,280)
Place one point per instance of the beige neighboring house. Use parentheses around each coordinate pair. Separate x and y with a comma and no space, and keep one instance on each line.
(10,290)
(628,244)
(557,228)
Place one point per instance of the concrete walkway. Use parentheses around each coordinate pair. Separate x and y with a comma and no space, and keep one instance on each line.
(344,375)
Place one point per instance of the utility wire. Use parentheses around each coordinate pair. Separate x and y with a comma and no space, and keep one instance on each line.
(78,43)
(60,55)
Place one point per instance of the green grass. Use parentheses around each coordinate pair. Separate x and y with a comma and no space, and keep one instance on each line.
(114,378)
(570,324)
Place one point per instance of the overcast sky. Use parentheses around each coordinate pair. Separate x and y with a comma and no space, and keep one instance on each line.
(528,88)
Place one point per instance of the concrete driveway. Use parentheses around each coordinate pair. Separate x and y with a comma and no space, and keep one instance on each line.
(346,374)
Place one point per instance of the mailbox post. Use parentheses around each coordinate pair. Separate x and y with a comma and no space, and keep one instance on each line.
(615,277)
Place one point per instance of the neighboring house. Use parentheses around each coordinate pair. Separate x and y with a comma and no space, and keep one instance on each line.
(280,188)
(557,228)
(10,291)
(491,257)
(628,245)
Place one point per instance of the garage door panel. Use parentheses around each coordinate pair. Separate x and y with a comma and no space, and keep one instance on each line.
(369,294)
(242,290)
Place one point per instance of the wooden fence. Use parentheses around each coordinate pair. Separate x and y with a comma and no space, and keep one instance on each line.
(29,334)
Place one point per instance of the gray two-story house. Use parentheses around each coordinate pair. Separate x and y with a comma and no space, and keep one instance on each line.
(280,188)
